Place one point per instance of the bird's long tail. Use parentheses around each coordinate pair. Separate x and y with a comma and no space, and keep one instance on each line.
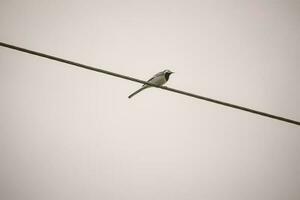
(139,90)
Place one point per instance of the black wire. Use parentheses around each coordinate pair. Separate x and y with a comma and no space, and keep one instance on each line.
(144,82)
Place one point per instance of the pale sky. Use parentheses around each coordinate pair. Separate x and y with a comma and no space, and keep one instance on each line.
(70,133)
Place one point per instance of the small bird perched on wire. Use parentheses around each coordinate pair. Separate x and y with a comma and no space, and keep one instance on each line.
(158,79)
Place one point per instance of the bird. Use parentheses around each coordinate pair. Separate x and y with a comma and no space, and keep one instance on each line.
(158,79)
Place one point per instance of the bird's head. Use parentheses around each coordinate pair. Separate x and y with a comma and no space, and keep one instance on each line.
(167,74)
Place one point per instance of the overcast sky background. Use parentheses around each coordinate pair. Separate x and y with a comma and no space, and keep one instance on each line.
(70,133)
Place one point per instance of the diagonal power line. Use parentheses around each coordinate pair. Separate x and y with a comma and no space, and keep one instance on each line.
(144,82)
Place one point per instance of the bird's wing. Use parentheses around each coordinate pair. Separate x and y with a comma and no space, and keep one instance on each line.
(155,76)
(156,79)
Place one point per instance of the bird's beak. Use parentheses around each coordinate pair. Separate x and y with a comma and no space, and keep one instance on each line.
(172,72)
